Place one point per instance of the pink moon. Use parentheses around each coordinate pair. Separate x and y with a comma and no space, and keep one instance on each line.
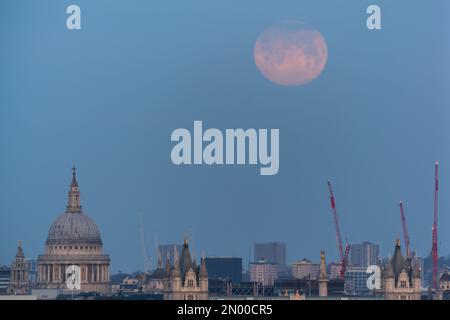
(290,53)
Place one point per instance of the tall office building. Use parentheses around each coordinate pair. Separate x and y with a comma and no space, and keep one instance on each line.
(224,268)
(364,254)
(272,252)
(32,269)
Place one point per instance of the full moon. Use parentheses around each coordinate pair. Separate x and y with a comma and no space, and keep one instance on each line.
(290,53)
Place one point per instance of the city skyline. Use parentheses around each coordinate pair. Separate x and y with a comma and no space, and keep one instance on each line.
(248,259)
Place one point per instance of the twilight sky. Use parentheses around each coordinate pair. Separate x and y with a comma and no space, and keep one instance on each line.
(107,98)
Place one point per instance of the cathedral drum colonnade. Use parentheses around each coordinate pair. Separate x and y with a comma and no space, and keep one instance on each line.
(74,239)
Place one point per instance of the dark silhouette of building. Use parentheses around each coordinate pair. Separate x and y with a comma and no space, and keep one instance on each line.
(224,268)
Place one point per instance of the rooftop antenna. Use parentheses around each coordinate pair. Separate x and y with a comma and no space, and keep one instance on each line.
(147,262)
(158,251)
(434,249)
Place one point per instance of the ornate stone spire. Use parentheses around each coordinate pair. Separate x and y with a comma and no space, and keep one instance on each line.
(73,203)
(19,253)
(323,276)
(323,266)
(398,262)
(203,271)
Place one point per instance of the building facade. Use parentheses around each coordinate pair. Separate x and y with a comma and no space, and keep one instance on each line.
(272,252)
(335,270)
(20,281)
(263,272)
(305,269)
(356,281)
(401,278)
(32,269)
(364,254)
(184,280)
(444,285)
(74,240)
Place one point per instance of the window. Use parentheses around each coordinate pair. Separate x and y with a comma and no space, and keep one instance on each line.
(190,297)
(403,284)
(190,283)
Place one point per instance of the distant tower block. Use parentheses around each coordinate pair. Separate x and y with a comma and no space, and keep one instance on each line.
(323,276)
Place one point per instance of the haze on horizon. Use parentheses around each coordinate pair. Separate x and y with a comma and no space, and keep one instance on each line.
(107,97)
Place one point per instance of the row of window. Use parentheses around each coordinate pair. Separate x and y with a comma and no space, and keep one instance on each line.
(75,247)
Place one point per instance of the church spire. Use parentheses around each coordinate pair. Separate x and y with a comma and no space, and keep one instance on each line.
(73,204)
(203,272)
(19,253)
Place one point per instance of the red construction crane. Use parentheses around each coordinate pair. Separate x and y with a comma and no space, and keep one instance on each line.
(405,231)
(344,264)
(434,249)
(343,257)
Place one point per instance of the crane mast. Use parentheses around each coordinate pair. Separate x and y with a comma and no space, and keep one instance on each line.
(147,263)
(342,256)
(405,230)
(435,234)
(158,251)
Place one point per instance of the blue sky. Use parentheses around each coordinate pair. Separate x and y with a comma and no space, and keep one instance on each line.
(107,98)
